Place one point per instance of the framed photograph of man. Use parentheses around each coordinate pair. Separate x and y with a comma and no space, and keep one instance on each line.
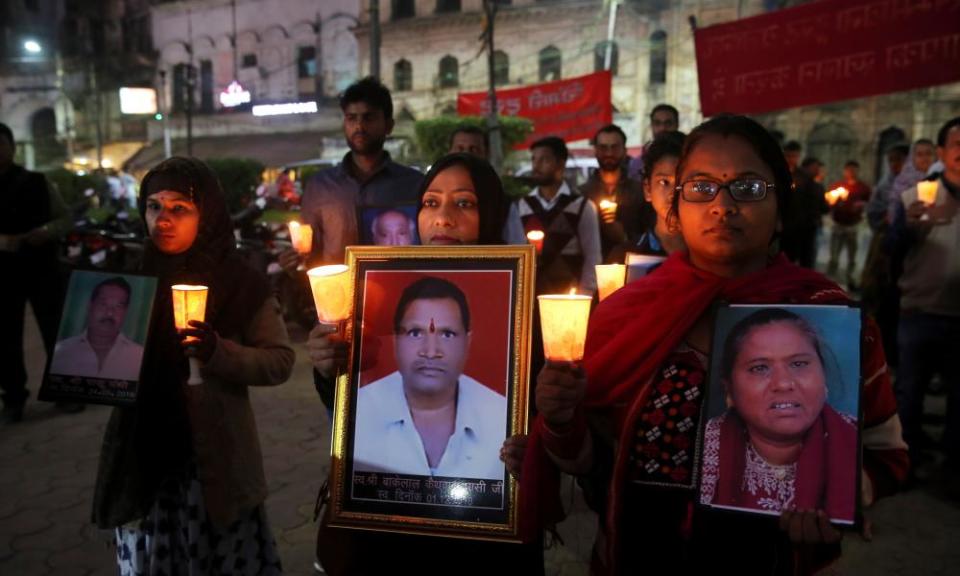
(782,426)
(101,339)
(389,225)
(437,381)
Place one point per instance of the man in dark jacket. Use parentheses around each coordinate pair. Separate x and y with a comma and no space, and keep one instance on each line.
(802,218)
(28,255)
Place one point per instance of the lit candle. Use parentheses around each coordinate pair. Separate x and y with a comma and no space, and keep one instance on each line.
(190,303)
(331,292)
(563,318)
(927,192)
(607,204)
(535,237)
(301,236)
(837,194)
(610,278)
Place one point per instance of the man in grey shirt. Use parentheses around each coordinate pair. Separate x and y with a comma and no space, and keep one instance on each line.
(366,176)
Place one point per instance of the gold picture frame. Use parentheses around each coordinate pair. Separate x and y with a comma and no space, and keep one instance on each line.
(377,479)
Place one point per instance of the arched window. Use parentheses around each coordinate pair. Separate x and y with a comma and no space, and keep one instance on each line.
(402,9)
(449,72)
(402,76)
(551,64)
(444,6)
(658,57)
(600,56)
(501,68)
(181,78)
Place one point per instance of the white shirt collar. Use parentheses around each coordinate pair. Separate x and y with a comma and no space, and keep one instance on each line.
(548,204)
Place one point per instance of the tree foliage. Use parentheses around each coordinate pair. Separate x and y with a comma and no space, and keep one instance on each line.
(433,135)
(239,178)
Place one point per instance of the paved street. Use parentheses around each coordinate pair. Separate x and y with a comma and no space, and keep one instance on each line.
(49,463)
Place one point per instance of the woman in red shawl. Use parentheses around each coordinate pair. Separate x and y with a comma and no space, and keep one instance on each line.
(627,422)
(779,445)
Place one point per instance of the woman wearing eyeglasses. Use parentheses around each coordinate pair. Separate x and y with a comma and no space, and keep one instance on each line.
(629,420)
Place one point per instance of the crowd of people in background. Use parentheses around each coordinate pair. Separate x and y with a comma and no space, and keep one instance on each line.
(733,214)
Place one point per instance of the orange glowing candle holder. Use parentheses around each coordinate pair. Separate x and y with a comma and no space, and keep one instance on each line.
(607,204)
(536,237)
(190,303)
(563,319)
(610,278)
(927,192)
(836,195)
(301,236)
(331,292)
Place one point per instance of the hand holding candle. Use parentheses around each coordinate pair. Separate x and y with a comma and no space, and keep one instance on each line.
(563,318)
(608,210)
(535,237)
(190,304)
(927,192)
(610,278)
(836,195)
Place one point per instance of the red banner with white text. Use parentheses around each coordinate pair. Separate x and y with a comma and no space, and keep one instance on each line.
(571,109)
(827,51)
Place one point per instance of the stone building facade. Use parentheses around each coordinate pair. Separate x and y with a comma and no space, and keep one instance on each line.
(285,51)
(430,51)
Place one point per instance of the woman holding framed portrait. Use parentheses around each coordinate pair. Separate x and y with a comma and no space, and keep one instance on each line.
(181,474)
(632,425)
(462,203)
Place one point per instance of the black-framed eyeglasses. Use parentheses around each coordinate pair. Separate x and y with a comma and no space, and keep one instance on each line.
(741,190)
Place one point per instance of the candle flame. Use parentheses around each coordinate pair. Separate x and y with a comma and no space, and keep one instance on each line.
(535,235)
(573,291)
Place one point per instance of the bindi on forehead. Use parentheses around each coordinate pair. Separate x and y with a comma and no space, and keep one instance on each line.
(433,326)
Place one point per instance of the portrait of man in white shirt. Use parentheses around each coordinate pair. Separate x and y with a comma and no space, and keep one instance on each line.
(428,418)
(101,350)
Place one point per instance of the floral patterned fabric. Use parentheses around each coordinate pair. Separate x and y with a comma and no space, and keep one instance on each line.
(666,440)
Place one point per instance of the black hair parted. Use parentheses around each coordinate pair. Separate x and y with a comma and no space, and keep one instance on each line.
(763,317)
(757,137)
(663,107)
(556,145)
(371,92)
(945,129)
(117,281)
(668,144)
(610,129)
(431,288)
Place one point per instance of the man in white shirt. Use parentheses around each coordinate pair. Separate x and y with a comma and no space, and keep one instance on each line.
(101,350)
(571,243)
(428,418)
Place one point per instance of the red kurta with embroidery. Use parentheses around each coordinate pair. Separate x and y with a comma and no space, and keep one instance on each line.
(635,330)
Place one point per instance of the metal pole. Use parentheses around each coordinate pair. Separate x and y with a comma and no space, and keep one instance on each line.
(493,121)
(164,110)
(318,81)
(190,85)
(375,38)
(97,112)
(611,25)
(66,104)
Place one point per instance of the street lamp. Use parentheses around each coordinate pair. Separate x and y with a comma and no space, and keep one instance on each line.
(32,47)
